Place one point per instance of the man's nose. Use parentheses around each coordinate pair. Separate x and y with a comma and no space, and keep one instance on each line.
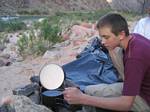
(103,41)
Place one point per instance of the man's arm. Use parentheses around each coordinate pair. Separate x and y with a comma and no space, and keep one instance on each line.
(75,96)
(122,103)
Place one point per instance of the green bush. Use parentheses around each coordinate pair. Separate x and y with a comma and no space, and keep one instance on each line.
(2,38)
(33,45)
(39,48)
(11,26)
(50,32)
(23,44)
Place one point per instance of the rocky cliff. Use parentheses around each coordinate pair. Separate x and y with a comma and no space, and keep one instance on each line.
(138,6)
(11,7)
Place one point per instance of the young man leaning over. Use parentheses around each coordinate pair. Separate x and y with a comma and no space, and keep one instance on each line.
(114,31)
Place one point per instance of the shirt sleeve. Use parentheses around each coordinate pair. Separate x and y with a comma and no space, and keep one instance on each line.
(134,73)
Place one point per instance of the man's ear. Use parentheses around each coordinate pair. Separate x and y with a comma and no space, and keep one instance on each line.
(121,35)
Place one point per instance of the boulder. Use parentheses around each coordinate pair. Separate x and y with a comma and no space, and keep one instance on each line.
(24,104)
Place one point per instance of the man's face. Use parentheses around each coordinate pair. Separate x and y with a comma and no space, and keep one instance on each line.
(109,40)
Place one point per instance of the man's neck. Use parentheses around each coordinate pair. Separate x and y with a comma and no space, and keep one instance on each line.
(124,43)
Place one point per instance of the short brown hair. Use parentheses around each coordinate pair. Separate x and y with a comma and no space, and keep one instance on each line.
(115,21)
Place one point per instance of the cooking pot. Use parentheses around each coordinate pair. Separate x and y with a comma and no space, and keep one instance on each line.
(52,78)
(53,99)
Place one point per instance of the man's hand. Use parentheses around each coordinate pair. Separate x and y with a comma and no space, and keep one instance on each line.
(6,100)
(73,95)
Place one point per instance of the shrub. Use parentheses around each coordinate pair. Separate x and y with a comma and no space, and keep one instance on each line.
(11,26)
(50,32)
(33,45)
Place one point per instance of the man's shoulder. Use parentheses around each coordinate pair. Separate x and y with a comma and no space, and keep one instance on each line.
(139,45)
(144,20)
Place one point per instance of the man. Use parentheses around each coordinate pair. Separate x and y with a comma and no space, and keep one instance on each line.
(114,31)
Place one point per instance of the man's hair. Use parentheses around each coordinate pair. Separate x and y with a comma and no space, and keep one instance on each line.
(116,22)
(147,6)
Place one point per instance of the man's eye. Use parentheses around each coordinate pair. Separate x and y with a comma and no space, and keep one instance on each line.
(106,37)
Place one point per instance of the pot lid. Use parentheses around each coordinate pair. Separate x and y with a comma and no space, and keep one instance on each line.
(51,76)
